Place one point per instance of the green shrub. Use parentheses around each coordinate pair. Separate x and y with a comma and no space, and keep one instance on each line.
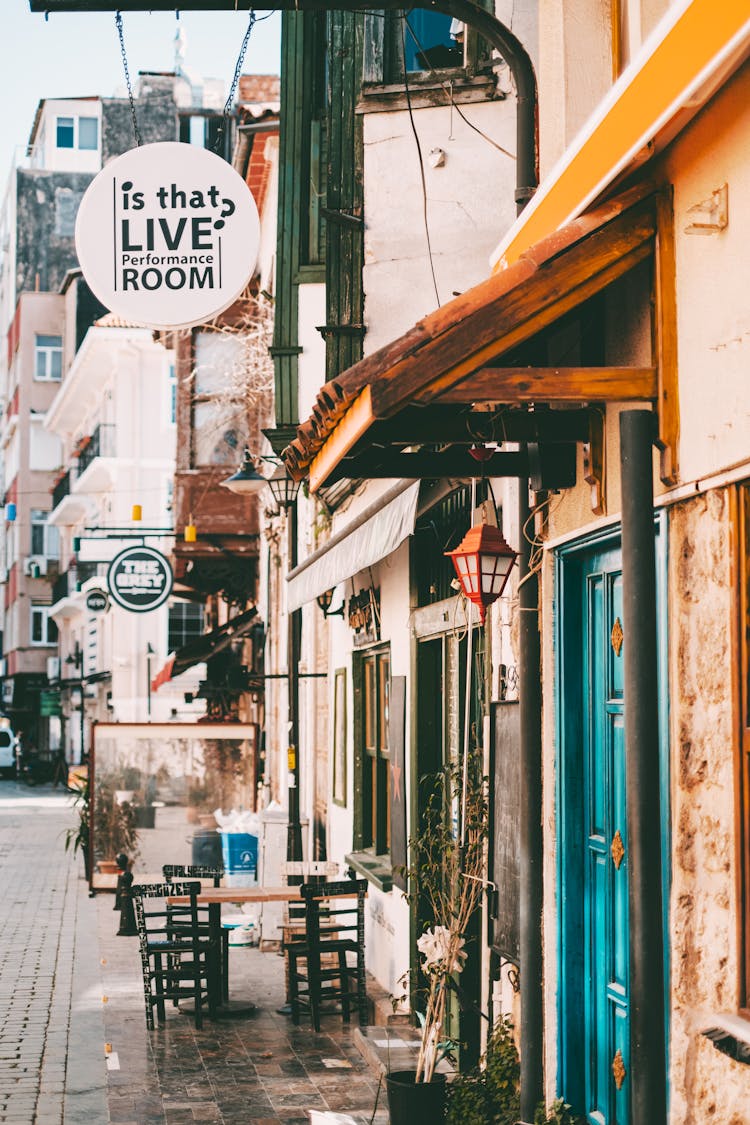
(559,1113)
(489,1094)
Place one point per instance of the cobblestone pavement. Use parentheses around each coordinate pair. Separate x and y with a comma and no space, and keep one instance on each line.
(258,1069)
(69,986)
(51,1030)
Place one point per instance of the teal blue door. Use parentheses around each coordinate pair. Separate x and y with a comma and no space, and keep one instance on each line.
(594,943)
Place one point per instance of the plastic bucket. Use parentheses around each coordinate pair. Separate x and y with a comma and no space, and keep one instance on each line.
(240,854)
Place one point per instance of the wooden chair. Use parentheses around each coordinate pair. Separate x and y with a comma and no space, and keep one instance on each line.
(295,872)
(328,964)
(176,966)
(172,871)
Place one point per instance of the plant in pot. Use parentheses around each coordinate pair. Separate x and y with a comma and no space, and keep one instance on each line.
(114,823)
(77,837)
(446,882)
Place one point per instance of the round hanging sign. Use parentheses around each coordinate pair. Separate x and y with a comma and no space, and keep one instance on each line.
(167,235)
(97,601)
(140,579)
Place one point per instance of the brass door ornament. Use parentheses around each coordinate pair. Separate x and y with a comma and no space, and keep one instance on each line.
(617,848)
(617,636)
(618,1069)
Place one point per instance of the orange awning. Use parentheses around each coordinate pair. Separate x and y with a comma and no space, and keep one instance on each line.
(452,355)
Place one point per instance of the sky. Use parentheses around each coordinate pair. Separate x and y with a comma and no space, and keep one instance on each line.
(79,54)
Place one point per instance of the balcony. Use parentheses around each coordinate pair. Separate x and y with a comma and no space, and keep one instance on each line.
(100,444)
(61,489)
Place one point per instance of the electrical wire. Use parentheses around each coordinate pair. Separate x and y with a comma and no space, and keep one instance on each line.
(448,89)
(421,168)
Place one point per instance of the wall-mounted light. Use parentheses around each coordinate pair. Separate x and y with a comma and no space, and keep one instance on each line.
(324,601)
(247,481)
(283,488)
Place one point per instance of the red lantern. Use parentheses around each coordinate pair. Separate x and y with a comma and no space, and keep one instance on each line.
(483,563)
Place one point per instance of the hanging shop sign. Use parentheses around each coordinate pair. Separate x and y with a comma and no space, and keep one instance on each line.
(97,601)
(363,613)
(167,235)
(139,579)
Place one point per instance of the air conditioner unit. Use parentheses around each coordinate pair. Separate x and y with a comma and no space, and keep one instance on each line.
(53,667)
(35,566)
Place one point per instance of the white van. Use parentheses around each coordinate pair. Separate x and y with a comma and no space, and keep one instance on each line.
(7,751)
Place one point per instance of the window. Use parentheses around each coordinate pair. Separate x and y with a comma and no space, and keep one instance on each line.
(421,44)
(88,133)
(43,628)
(371,716)
(185,624)
(430,41)
(45,538)
(78,132)
(48,358)
(66,132)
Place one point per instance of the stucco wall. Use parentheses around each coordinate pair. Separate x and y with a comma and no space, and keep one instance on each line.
(470,201)
(705,1085)
(713,278)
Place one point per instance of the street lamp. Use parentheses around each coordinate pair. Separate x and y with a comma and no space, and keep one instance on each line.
(75,660)
(247,481)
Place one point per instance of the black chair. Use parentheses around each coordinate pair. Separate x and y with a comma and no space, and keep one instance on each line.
(172,871)
(176,966)
(328,964)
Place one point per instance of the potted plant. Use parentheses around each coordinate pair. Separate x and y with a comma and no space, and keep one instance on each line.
(77,837)
(446,883)
(114,824)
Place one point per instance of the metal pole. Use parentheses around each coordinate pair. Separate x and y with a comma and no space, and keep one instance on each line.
(148,681)
(294,630)
(647,1037)
(530,933)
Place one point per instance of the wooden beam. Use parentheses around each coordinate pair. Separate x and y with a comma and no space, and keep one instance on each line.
(555,384)
(350,429)
(469,335)
(438,424)
(454,462)
(665,339)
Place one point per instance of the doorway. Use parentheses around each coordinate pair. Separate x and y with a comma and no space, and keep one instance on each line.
(594,993)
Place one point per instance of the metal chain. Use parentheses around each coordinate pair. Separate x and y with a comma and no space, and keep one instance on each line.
(235,80)
(136,130)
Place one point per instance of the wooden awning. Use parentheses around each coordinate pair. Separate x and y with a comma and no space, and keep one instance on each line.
(413,408)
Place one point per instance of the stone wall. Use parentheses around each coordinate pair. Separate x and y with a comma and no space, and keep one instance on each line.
(706,1086)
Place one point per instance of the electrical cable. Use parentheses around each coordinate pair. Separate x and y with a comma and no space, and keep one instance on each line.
(448,89)
(421,168)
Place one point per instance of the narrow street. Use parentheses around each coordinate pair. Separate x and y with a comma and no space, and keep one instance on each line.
(70,985)
(51,1055)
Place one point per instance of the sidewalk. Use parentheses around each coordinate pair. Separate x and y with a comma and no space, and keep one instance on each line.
(69,986)
(51,1029)
(259,1069)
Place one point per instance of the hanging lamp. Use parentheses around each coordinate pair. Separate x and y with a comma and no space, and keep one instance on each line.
(483,562)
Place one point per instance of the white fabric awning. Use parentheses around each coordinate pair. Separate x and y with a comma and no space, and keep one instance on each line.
(377,532)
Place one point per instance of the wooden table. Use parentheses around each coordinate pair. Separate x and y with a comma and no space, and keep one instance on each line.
(214,898)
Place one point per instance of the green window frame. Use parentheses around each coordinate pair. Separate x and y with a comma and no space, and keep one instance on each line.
(372,672)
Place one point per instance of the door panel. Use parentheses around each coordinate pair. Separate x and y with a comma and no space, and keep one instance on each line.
(593,937)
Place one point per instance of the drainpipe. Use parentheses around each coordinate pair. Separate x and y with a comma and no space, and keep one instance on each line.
(647,1071)
(522,70)
(532,844)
